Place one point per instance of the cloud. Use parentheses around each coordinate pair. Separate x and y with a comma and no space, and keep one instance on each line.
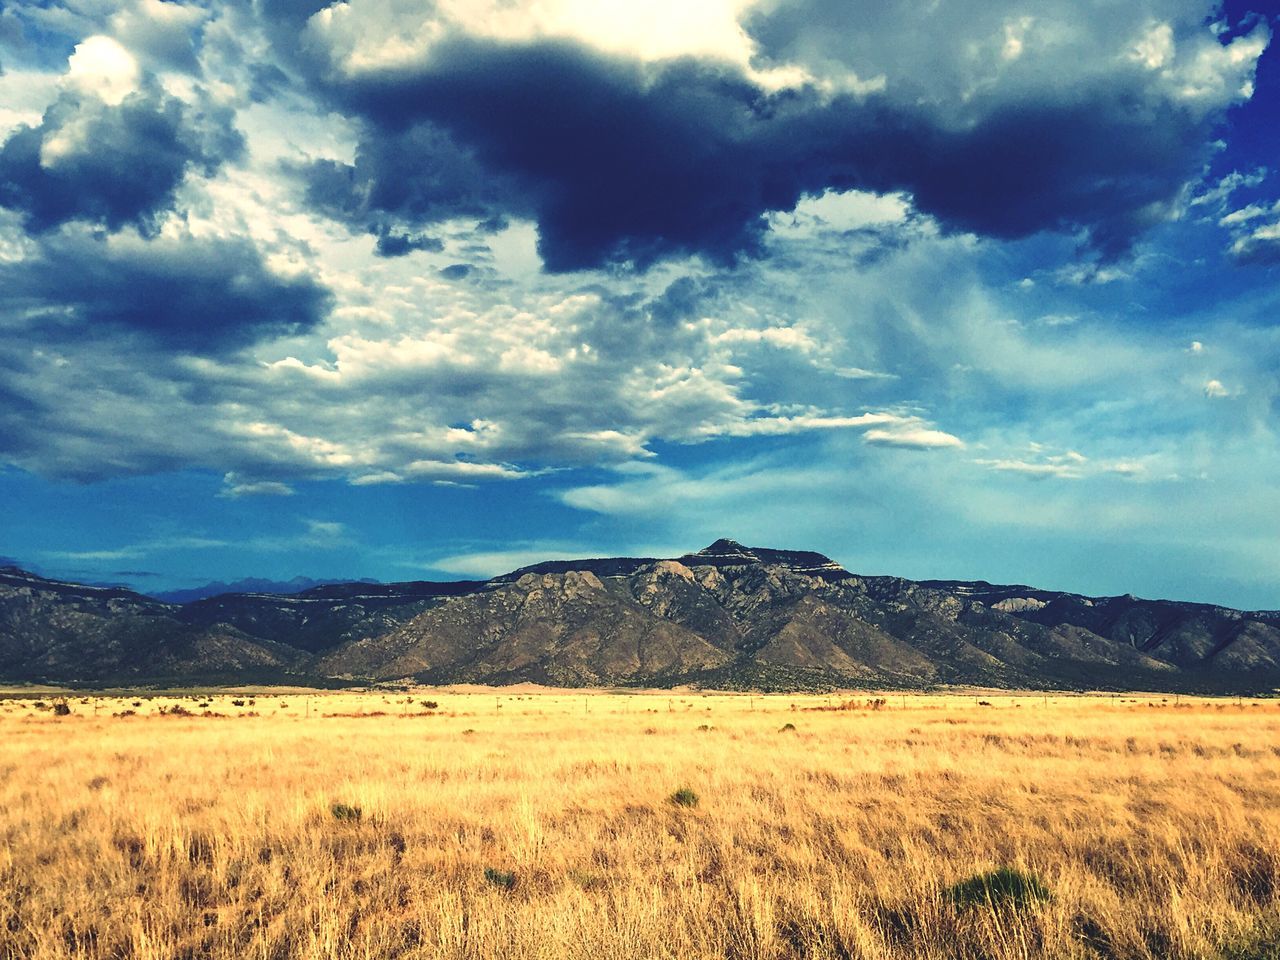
(914,437)
(1214,390)
(1062,470)
(1257,238)
(113,148)
(234,487)
(620,159)
(197,295)
(492,563)
(134,551)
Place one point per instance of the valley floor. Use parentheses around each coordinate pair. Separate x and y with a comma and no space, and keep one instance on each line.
(522,823)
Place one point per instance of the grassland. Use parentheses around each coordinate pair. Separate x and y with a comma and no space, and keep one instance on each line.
(523,824)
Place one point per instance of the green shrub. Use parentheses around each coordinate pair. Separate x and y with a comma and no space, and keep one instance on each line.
(999,887)
(684,797)
(505,879)
(787,728)
(346,813)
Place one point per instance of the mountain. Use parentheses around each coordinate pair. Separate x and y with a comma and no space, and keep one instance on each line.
(246,585)
(727,616)
(75,632)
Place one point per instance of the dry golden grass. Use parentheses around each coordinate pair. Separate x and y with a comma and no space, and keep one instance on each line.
(540,825)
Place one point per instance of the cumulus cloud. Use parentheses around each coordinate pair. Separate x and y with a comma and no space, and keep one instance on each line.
(1093,129)
(113,148)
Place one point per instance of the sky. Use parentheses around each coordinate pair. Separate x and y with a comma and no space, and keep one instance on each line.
(979,289)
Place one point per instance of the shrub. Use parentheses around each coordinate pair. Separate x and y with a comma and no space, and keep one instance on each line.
(683,797)
(61,709)
(429,704)
(998,887)
(505,879)
(346,813)
(237,703)
(787,728)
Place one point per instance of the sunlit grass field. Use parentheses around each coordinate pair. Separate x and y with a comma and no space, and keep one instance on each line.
(520,823)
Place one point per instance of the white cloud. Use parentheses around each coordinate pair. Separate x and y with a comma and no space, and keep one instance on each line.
(1214,389)
(1033,469)
(490,563)
(102,68)
(368,35)
(913,437)
(235,486)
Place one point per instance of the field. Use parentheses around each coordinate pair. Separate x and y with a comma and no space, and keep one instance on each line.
(540,824)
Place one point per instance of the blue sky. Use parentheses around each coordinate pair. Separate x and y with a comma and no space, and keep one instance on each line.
(427,290)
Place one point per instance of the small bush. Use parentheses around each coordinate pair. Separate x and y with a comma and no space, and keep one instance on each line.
(505,879)
(705,728)
(237,703)
(429,705)
(346,813)
(684,797)
(787,728)
(998,887)
(62,709)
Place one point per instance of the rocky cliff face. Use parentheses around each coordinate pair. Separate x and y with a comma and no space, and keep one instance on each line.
(727,616)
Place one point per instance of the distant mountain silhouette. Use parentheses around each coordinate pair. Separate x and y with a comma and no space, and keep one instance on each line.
(247,585)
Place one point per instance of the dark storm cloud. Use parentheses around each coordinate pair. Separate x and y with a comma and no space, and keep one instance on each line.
(203,296)
(619,164)
(414,175)
(110,165)
(393,243)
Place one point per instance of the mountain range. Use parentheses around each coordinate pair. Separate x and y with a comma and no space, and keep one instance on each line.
(727,616)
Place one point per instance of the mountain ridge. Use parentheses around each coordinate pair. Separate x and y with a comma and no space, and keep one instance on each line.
(726,615)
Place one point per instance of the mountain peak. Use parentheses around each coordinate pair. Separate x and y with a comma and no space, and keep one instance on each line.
(725,548)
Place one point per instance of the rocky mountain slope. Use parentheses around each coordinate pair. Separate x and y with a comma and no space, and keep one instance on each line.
(727,616)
